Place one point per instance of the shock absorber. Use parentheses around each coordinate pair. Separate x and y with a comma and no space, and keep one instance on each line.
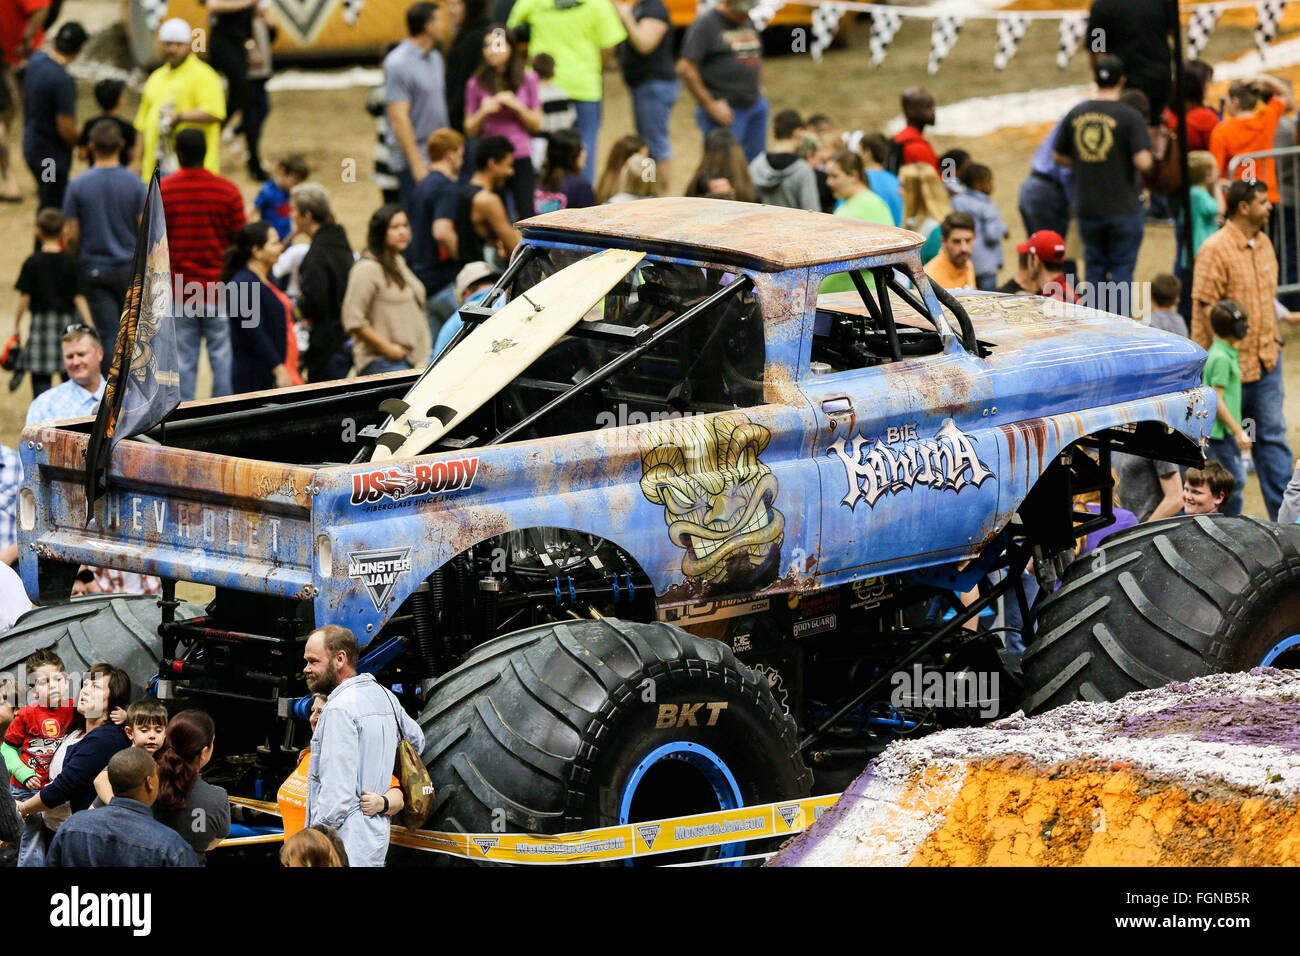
(423,608)
(489,593)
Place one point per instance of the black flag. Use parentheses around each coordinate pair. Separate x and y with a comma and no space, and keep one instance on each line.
(144,382)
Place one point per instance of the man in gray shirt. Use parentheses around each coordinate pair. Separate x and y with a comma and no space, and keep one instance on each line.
(415,93)
(355,744)
(1150,489)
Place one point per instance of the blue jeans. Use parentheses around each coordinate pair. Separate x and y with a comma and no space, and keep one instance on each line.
(652,106)
(589,127)
(190,330)
(749,125)
(336,366)
(385,365)
(1110,247)
(439,306)
(1262,402)
(1044,205)
(106,287)
(31,846)
(406,186)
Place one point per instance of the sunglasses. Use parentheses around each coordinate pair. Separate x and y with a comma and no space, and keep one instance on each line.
(78,327)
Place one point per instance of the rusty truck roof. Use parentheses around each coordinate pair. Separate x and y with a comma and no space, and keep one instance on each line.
(766,237)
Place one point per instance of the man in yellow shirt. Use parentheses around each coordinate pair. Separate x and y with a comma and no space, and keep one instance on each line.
(952,268)
(181,93)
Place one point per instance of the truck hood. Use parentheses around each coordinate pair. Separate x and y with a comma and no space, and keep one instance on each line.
(1047,356)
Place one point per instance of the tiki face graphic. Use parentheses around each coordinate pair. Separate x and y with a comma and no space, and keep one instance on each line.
(717,497)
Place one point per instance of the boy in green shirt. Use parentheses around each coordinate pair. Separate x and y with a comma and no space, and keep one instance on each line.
(1229,440)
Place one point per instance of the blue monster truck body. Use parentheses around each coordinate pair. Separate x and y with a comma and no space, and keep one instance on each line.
(804,477)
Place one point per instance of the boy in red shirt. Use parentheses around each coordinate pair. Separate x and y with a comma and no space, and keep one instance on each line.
(32,738)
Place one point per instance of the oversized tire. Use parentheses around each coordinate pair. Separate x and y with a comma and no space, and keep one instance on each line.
(1164,602)
(586,724)
(117,629)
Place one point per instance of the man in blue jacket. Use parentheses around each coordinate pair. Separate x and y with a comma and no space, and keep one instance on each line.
(124,833)
(355,744)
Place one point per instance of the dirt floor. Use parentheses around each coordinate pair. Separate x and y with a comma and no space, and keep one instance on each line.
(337,135)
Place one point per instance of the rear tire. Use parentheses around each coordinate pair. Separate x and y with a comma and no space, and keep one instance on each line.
(566,727)
(116,629)
(1164,602)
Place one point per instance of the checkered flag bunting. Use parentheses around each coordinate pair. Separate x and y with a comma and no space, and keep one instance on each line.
(1267,15)
(153,11)
(352,11)
(1011,29)
(825,20)
(1072,31)
(884,27)
(763,13)
(943,35)
(1200,26)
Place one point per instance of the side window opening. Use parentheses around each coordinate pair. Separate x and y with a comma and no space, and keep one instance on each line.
(868,318)
(713,362)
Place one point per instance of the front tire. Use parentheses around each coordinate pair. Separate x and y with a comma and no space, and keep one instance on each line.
(586,724)
(1168,601)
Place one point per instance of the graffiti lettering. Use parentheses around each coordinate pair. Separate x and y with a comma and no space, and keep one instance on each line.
(874,468)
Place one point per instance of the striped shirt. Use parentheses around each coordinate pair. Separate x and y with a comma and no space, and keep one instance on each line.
(203,212)
(1230,266)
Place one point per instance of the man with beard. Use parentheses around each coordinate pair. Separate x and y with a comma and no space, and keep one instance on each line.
(354,746)
(952,268)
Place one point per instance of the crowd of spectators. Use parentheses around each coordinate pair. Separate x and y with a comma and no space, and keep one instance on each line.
(484,122)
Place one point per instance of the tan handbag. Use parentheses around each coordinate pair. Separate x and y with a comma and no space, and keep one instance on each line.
(413,780)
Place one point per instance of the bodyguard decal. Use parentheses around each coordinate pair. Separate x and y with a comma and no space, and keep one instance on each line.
(902,461)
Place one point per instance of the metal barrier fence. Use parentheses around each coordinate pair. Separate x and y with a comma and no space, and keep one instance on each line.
(1284,230)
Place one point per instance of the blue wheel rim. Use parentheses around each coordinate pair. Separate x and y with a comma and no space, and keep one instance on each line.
(1280,648)
(712,767)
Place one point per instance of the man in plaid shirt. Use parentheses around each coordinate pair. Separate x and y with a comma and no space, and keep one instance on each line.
(1238,263)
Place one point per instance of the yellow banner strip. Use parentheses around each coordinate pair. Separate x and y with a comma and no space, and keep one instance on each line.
(624,841)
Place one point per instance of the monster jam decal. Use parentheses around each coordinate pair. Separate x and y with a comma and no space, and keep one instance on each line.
(379,570)
(718,498)
(419,481)
(902,461)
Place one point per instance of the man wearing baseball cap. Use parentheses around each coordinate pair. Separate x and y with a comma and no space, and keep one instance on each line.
(183,92)
(1046,252)
(1106,142)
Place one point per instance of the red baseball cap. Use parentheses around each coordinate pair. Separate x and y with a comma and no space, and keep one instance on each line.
(1047,245)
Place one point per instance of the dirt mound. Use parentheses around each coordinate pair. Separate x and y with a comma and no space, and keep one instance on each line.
(1205,773)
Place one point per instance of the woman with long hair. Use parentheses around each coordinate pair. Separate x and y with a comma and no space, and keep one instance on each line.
(611,178)
(562,184)
(91,741)
(925,204)
(194,808)
(502,99)
(263,344)
(383,307)
(723,158)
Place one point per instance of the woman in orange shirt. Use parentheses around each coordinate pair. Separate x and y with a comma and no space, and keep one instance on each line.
(292,795)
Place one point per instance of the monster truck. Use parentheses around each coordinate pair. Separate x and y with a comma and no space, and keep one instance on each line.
(746,518)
